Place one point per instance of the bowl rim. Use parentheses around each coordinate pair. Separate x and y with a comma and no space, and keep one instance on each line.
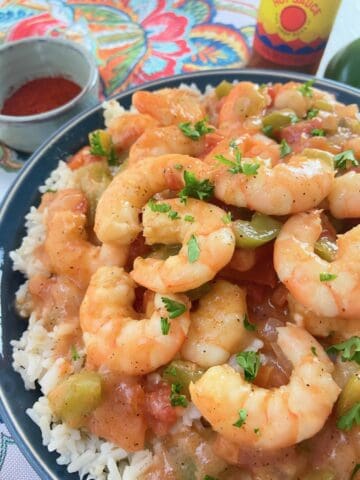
(23,442)
(49,114)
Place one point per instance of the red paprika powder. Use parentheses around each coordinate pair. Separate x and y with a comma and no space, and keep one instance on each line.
(40,95)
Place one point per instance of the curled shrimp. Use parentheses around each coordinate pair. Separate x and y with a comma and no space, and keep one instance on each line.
(244,100)
(272,418)
(69,251)
(327,289)
(217,330)
(161,141)
(117,214)
(170,106)
(298,185)
(213,241)
(339,328)
(344,196)
(113,334)
(126,129)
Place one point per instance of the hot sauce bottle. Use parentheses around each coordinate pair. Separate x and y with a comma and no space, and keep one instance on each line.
(292,34)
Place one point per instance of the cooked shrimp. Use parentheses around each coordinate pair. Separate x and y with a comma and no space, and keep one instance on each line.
(213,240)
(117,214)
(114,336)
(277,417)
(244,100)
(217,329)
(70,252)
(344,196)
(327,289)
(170,106)
(338,328)
(161,141)
(289,96)
(126,129)
(301,183)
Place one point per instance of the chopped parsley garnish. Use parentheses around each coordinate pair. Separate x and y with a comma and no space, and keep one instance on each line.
(327,277)
(285,148)
(176,399)
(312,113)
(201,189)
(174,309)
(250,327)
(257,431)
(163,208)
(209,477)
(354,472)
(178,166)
(268,130)
(250,362)
(306,88)
(50,190)
(345,160)
(189,218)
(193,249)
(318,132)
(165,325)
(196,130)
(237,166)
(313,350)
(350,418)
(350,350)
(227,218)
(101,145)
(242,418)
(74,353)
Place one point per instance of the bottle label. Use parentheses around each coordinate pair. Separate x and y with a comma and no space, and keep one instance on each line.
(294,32)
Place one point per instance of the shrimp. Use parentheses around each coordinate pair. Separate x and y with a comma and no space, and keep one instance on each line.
(160,141)
(244,100)
(217,330)
(273,418)
(327,289)
(117,214)
(298,185)
(113,335)
(212,240)
(126,129)
(339,328)
(66,244)
(344,197)
(289,95)
(170,106)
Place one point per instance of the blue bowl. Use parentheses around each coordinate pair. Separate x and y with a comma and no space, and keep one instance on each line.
(24,193)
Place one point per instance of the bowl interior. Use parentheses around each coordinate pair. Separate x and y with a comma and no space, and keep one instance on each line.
(24,193)
(40,57)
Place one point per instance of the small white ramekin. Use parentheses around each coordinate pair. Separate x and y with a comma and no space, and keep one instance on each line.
(38,57)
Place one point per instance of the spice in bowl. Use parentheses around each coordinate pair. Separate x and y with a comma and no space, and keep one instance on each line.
(40,95)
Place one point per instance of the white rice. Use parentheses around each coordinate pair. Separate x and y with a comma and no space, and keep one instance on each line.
(33,357)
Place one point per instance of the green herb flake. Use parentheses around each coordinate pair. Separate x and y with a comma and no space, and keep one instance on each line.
(165,325)
(171,371)
(293,118)
(201,189)
(350,418)
(257,431)
(174,309)
(178,166)
(227,218)
(209,477)
(74,353)
(268,130)
(250,168)
(250,327)
(318,132)
(176,399)
(350,350)
(112,157)
(159,207)
(312,113)
(173,215)
(235,167)
(242,418)
(306,88)
(197,130)
(250,362)
(285,148)
(50,190)
(189,218)
(313,351)
(193,249)
(354,472)
(345,160)
(327,277)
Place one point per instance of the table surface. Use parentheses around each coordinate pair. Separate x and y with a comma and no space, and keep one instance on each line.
(182,36)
